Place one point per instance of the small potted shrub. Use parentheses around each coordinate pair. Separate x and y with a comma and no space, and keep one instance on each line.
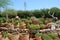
(14,36)
(52,34)
(0,35)
(24,36)
(23,26)
(38,36)
(42,26)
(34,27)
(46,37)
(34,20)
(5,36)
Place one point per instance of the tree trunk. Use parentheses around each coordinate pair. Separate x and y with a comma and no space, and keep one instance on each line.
(6,17)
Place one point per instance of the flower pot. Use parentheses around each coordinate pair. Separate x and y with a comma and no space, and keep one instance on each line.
(14,37)
(11,26)
(4,38)
(0,36)
(35,22)
(38,38)
(24,37)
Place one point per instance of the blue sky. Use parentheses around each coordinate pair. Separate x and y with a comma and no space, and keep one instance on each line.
(35,4)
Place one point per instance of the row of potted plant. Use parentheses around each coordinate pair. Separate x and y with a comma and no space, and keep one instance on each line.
(13,36)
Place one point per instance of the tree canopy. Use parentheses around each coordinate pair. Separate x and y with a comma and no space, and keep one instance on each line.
(4,3)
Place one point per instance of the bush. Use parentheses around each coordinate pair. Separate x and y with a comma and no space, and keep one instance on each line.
(34,27)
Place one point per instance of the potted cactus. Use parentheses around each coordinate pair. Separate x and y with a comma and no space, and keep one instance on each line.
(38,36)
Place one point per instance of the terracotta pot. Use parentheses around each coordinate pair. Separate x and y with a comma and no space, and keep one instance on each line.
(14,37)
(0,36)
(24,37)
(4,38)
(11,27)
(35,22)
(38,38)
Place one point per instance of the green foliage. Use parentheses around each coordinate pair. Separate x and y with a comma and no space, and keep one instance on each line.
(57,38)
(41,20)
(34,27)
(36,13)
(16,27)
(52,34)
(46,37)
(3,19)
(5,34)
(38,34)
(4,3)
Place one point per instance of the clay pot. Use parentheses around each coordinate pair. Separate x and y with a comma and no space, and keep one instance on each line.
(38,38)
(4,38)
(0,36)
(14,37)
(24,37)
(11,26)
(35,22)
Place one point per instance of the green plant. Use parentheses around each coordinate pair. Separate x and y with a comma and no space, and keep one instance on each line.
(2,19)
(52,34)
(57,38)
(41,20)
(28,20)
(46,37)
(23,25)
(38,34)
(16,27)
(16,21)
(34,27)
(42,26)
(5,34)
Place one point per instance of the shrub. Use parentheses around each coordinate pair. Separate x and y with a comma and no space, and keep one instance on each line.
(34,27)
(38,34)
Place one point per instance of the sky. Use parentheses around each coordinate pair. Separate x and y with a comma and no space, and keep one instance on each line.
(34,4)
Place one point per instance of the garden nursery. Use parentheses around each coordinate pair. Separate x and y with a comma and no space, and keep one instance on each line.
(34,24)
(30,28)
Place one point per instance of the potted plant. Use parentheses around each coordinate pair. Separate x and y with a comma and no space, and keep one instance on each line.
(24,36)
(23,25)
(34,27)
(52,34)
(43,26)
(38,36)
(5,36)
(14,36)
(46,37)
(34,20)
(11,26)
(0,35)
